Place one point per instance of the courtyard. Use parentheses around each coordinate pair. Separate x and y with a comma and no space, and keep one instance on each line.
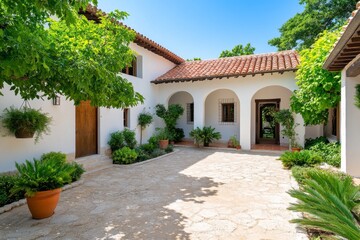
(190,194)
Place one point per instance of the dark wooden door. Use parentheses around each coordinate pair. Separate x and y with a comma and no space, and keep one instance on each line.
(267,130)
(86,129)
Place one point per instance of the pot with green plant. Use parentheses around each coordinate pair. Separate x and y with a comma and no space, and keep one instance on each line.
(144,120)
(205,136)
(286,119)
(26,122)
(233,142)
(163,137)
(41,180)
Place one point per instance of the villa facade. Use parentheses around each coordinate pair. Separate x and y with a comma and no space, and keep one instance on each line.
(229,94)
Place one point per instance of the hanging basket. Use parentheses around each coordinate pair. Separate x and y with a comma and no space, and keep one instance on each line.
(24,133)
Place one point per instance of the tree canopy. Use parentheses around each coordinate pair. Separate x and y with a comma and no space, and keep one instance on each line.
(77,58)
(301,31)
(319,89)
(238,50)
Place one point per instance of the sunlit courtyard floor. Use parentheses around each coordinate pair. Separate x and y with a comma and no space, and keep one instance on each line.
(191,194)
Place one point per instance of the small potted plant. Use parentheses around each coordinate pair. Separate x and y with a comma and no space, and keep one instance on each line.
(41,180)
(26,122)
(163,137)
(233,143)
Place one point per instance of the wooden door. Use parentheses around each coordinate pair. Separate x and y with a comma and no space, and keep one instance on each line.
(267,130)
(86,129)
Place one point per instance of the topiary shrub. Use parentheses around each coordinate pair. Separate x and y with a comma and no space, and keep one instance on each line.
(302,158)
(124,155)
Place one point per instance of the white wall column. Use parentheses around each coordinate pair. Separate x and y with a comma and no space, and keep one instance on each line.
(199,112)
(350,130)
(245,122)
(300,130)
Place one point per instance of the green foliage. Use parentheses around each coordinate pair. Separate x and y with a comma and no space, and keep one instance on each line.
(233,142)
(153,140)
(305,158)
(120,139)
(319,89)
(302,30)
(193,59)
(78,171)
(74,57)
(169,149)
(26,119)
(285,118)
(7,182)
(238,50)
(329,152)
(309,142)
(303,173)
(42,175)
(205,136)
(357,96)
(170,116)
(59,157)
(124,155)
(144,120)
(329,202)
(177,135)
(162,134)
(157,153)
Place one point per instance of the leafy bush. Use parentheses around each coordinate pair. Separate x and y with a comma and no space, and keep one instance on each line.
(78,171)
(157,152)
(286,119)
(309,142)
(302,173)
(170,116)
(120,139)
(142,155)
(331,152)
(129,137)
(206,135)
(42,175)
(154,141)
(169,149)
(148,147)
(7,182)
(233,142)
(26,120)
(330,202)
(177,134)
(124,155)
(302,158)
(54,156)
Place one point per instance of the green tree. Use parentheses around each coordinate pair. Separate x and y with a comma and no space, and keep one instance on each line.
(77,58)
(319,89)
(301,31)
(193,59)
(238,50)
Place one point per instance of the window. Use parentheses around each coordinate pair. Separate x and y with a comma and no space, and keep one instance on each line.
(190,112)
(131,70)
(227,113)
(126,116)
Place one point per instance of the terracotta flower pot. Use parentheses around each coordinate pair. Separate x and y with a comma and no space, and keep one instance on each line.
(238,147)
(43,204)
(295,149)
(24,133)
(163,144)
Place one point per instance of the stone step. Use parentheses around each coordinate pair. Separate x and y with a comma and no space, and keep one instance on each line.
(94,163)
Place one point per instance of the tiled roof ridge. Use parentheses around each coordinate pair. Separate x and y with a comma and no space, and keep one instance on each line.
(141,39)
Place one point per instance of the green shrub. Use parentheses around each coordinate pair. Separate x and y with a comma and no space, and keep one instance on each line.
(309,142)
(329,202)
(154,141)
(331,152)
(7,182)
(177,134)
(120,139)
(129,137)
(357,95)
(170,116)
(302,158)
(157,153)
(54,156)
(302,173)
(144,120)
(148,147)
(169,149)
(142,155)
(205,136)
(124,155)
(116,141)
(78,171)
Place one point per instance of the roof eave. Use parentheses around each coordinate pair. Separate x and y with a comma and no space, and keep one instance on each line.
(341,44)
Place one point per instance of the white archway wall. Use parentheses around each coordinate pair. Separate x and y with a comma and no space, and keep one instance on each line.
(213,113)
(271,92)
(183,98)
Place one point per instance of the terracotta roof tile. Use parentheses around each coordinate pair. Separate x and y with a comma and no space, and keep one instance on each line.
(232,67)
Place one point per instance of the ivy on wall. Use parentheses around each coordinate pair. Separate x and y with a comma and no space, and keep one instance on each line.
(357,96)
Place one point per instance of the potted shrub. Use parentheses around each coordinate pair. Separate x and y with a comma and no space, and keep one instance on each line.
(26,122)
(285,118)
(163,137)
(233,143)
(41,180)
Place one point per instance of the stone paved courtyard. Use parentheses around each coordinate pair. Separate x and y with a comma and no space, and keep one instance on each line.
(192,194)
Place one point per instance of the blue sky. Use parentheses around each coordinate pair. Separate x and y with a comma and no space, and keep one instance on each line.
(203,28)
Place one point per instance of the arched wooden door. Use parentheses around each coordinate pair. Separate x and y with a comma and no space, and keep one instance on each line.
(86,129)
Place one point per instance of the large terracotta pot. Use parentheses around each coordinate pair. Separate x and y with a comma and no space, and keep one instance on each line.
(43,204)
(296,149)
(24,133)
(163,144)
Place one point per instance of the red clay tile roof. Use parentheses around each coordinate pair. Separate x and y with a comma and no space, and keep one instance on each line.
(232,67)
(93,12)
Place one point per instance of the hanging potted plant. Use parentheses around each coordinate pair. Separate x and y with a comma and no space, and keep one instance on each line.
(26,122)
(41,180)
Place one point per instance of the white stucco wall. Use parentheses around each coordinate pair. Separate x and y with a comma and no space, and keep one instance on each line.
(350,130)
(62,136)
(243,87)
